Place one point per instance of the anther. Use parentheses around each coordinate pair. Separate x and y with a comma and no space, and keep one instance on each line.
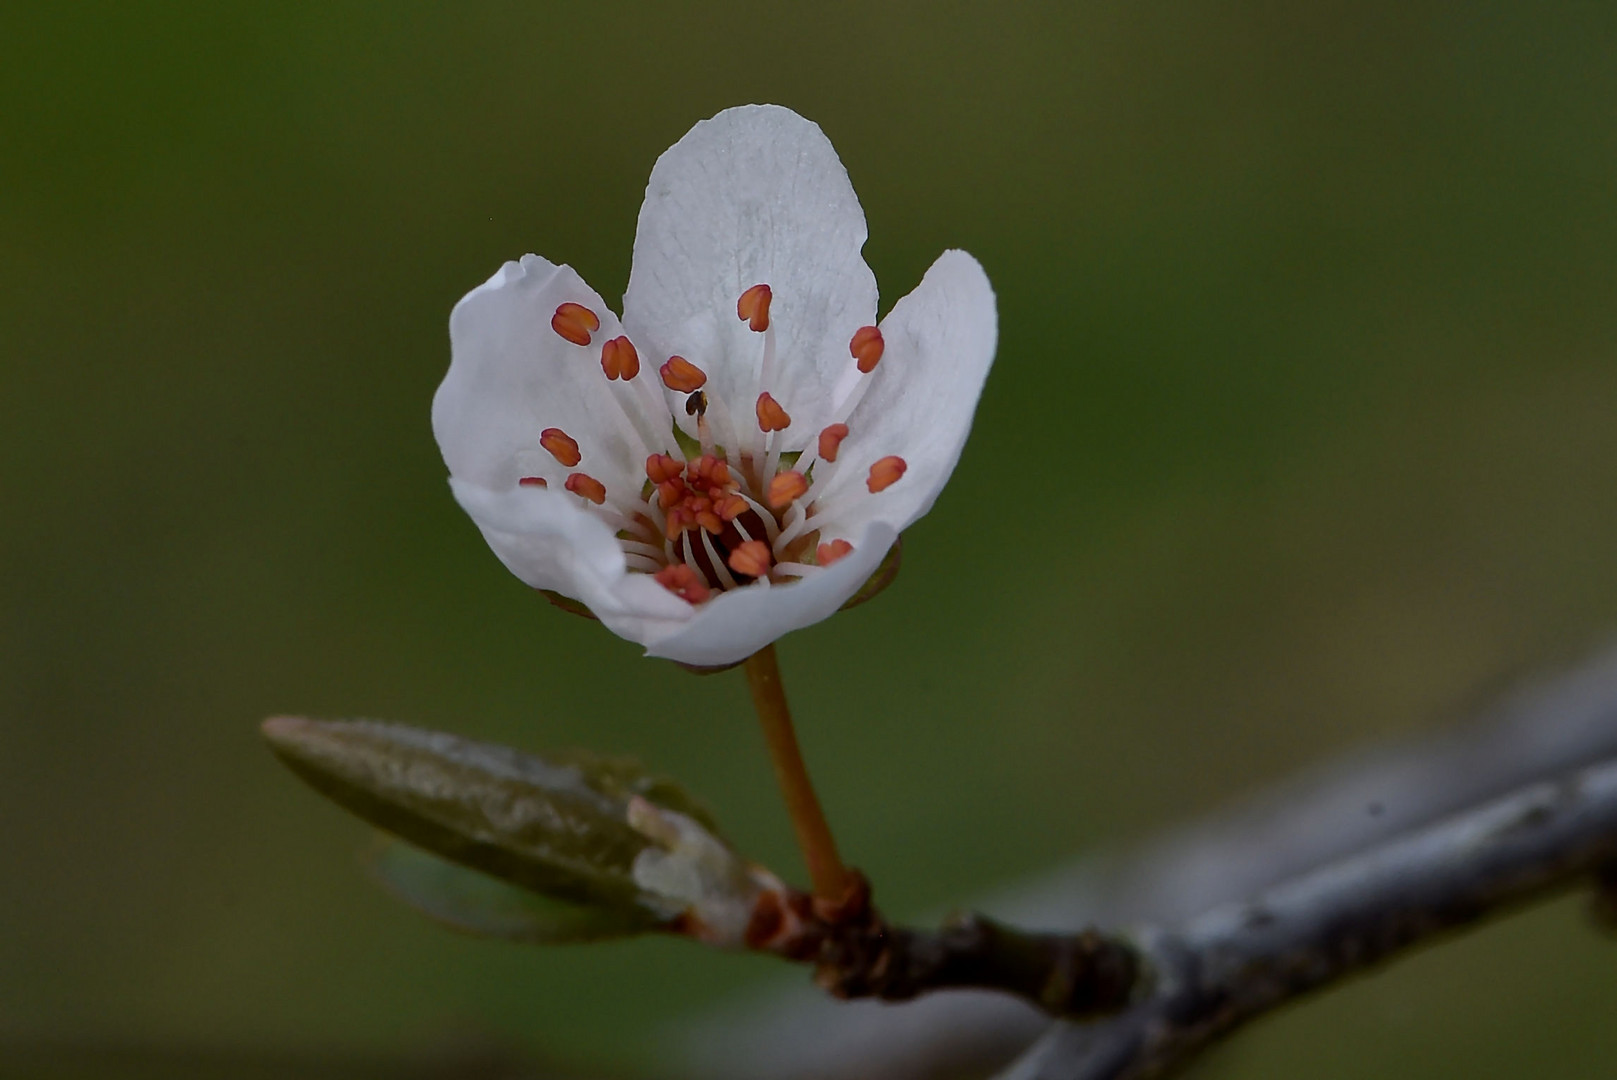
(683,582)
(771,417)
(532,481)
(661,468)
(587,486)
(826,554)
(696,404)
(830,439)
(619,360)
(681,375)
(866,347)
(731,508)
(786,488)
(753,307)
(885,473)
(560,445)
(575,322)
(751,557)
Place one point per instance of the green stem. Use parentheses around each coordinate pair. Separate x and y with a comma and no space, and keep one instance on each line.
(825,867)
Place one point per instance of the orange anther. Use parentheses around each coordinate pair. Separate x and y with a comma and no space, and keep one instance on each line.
(661,468)
(532,481)
(786,488)
(753,307)
(830,439)
(732,507)
(710,521)
(669,493)
(885,473)
(866,347)
(678,520)
(683,582)
(682,375)
(587,486)
(575,322)
(619,360)
(826,554)
(751,557)
(560,445)
(771,417)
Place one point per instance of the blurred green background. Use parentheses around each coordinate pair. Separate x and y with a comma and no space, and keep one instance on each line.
(1302,428)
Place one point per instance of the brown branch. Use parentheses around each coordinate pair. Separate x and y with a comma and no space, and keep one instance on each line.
(1242,960)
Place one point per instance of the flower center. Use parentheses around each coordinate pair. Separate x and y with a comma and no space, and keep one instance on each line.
(743,503)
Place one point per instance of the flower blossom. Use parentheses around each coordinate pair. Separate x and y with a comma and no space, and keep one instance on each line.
(734,457)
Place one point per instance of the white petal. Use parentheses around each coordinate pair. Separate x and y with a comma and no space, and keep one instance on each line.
(754,195)
(511,376)
(734,625)
(939,344)
(550,540)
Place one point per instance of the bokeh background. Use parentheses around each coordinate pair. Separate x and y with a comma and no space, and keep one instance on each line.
(1302,429)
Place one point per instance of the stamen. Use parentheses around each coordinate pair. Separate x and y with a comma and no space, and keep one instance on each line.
(885,473)
(753,307)
(866,347)
(662,468)
(826,554)
(575,322)
(751,558)
(532,481)
(619,359)
(587,486)
(830,439)
(683,582)
(562,447)
(771,417)
(717,563)
(785,488)
(680,375)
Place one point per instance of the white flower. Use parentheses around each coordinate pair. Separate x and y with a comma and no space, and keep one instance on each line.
(733,459)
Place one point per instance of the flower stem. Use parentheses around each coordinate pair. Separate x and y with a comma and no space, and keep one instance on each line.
(825,867)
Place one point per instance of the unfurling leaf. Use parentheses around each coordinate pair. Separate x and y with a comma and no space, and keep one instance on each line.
(605,848)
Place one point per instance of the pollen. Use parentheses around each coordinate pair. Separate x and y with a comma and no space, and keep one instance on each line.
(826,554)
(786,488)
(866,347)
(532,481)
(619,359)
(885,473)
(771,417)
(683,582)
(830,439)
(681,375)
(751,558)
(587,486)
(753,307)
(561,446)
(575,322)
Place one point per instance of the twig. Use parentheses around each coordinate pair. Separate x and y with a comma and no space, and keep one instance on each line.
(1242,960)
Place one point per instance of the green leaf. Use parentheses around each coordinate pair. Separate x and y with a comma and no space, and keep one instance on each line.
(475,903)
(556,827)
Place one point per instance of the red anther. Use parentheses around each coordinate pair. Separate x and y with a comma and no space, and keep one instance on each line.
(710,521)
(830,439)
(786,488)
(751,557)
(771,417)
(619,360)
(532,481)
(753,307)
(661,468)
(866,347)
(885,473)
(732,507)
(587,486)
(826,554)
(682,375)
(560,445)
(683,582)
(575,322)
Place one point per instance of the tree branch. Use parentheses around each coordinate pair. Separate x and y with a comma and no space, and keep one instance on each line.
(1239,961)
